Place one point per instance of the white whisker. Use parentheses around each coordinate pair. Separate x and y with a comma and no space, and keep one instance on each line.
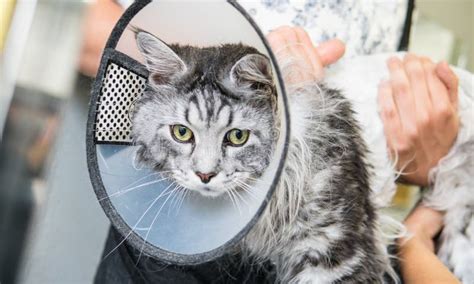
(185,190)
(230,197)
(175,198)
(231,191)
(154,220)
(119,193)
(136,224)
(246,188)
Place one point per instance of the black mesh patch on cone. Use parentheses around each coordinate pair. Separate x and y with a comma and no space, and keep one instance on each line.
(120,89)
(123,83)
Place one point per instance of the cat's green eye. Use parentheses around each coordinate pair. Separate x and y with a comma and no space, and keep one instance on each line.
(237,137)
(181,133)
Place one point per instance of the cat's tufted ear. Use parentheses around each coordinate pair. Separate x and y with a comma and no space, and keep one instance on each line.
(253,71)
(162,62)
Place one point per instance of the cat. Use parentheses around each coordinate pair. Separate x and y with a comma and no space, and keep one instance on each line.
(209,118)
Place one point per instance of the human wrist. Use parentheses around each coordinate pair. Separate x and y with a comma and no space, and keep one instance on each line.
(423,224)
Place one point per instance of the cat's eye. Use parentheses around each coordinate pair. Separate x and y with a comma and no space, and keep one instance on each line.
(237,137)
(181,133)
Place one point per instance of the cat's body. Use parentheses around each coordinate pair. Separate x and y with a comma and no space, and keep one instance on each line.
(321,225)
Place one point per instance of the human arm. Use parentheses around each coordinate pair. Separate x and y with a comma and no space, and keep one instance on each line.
(418,106)
(418,262)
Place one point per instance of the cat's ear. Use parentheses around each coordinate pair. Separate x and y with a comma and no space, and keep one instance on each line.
(162,62)
(252,71)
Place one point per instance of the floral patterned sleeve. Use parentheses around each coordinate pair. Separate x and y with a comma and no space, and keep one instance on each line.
(366,26)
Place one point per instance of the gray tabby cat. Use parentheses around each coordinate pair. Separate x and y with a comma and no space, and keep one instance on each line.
(209,117)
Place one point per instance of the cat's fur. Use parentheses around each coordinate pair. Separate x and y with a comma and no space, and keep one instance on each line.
(321,225)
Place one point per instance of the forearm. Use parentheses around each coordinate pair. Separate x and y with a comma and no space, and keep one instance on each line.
(419,265)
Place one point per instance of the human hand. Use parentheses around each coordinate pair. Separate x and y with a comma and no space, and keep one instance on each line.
(418,107)
(425,223)
(293,45)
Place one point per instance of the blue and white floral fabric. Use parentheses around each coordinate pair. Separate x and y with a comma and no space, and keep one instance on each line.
(366,26)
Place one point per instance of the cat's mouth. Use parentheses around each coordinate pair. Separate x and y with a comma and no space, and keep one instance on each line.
(236,183)
(215,190)
(209,192)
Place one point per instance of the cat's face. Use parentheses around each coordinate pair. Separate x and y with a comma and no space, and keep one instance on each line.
(206,119)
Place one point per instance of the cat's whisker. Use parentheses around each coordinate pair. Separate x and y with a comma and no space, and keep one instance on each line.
(175,198)
(154,220)
(136,224)
(182,199)
(230,197)
(116,174)
(135,182)
(175,189)
(112,174)
(176,201)
(239,195)
(247,188)
(139,180)
(255,180)
(259,181)
(231,191)
(103,160)
(249,193)
(180,203)
(122,192)
(244,183)
(244,200)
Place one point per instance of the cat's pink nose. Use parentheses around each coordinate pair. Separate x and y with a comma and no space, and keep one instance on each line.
(205,178)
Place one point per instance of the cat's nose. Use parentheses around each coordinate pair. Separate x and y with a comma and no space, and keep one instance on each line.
(205,178)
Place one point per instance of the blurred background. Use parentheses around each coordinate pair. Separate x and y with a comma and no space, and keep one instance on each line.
(52,229)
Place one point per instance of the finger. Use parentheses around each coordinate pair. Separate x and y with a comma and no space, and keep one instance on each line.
(310,51)
(275,40)
(288,33)
(416,75)
(423,108)
(331,51)
(403,98)
(278,39)
(278,44)
(293,58)
(390,117)
(450,80)
(442,108)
